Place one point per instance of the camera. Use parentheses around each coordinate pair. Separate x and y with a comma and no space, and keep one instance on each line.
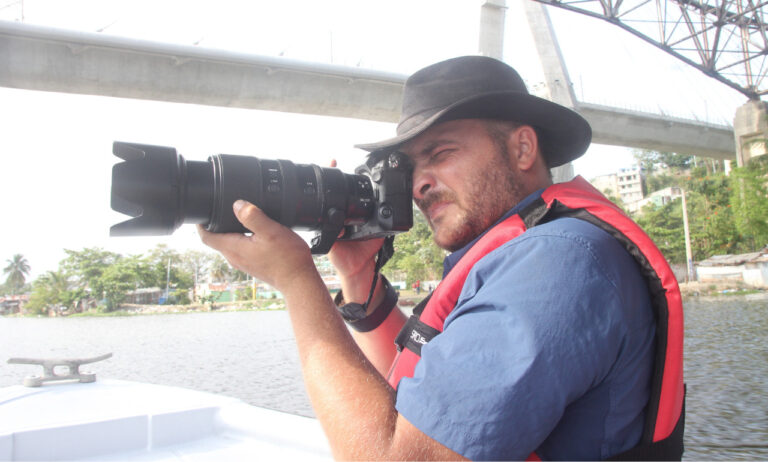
(161,190)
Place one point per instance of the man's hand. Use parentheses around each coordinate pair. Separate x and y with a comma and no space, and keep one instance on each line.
(273,253)
(354,263)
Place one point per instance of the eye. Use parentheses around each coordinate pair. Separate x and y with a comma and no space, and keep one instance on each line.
(439,154)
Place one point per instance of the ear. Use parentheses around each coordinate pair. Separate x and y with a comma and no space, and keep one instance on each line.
(527,144)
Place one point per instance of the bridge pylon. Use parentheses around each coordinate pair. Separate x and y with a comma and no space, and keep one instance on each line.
(750,129)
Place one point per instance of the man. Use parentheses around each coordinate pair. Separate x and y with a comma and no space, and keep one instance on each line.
(540,340)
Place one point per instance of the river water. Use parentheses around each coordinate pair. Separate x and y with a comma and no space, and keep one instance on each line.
(252,356)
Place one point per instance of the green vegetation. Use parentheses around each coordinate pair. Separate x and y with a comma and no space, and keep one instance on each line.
(16,273)
(727,214)
(96,278)
(417,257)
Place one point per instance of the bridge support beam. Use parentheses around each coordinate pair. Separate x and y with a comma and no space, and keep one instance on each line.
(553,65)
(492,17)
(750,129)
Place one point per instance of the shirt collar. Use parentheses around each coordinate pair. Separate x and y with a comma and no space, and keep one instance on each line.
(451,260)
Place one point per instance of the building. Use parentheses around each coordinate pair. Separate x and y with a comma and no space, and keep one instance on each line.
(607,184)
(658,198)
(145,296)
(12,304)
(630,184)
(626,184)
(749,268)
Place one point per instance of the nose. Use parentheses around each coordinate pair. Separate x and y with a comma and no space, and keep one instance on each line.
(423,181)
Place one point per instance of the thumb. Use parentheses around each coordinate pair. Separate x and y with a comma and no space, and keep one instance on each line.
(249,215)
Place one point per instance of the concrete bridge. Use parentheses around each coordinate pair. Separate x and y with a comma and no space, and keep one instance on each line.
(37,58)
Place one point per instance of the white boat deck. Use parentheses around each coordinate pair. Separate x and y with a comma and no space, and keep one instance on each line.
(118,420)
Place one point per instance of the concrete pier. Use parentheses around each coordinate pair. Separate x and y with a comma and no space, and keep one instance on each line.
(750,129)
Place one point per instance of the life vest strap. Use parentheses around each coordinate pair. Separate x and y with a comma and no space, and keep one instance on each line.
(414,335)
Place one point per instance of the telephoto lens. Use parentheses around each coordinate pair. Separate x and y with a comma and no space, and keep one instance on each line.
(161,190)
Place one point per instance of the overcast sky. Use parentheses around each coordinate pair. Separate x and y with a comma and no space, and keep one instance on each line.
(56,148)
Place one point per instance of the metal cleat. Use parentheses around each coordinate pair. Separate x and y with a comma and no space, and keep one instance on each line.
(49,366)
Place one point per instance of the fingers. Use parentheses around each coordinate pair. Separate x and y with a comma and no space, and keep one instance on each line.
(333,163)
(228,243)
(253,218)
(224,243)
(273,253)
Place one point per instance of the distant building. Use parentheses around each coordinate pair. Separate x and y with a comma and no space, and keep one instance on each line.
(630,182)
(228,291)
(11,304)
(607,184)
(749,268)
(658,198)
(145,296)
(626,184)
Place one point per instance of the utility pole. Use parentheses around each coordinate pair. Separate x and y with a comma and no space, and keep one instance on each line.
(688,254)
(168,279)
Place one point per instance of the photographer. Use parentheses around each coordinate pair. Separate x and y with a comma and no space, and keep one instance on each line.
(540,340)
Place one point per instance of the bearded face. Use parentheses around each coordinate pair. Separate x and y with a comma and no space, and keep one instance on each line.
(487,189)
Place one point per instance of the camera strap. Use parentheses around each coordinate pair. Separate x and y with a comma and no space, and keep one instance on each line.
(355,314)
(385,253)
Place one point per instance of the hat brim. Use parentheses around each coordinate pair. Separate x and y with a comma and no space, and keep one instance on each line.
(565,135)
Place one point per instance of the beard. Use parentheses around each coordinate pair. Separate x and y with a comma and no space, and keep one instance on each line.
(491,192)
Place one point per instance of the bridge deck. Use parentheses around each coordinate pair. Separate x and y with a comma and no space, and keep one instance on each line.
(39,58)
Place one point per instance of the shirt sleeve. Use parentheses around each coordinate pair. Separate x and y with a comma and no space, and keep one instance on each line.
(533,331)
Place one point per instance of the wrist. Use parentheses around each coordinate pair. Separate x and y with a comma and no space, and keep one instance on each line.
(356,287)
(365,319)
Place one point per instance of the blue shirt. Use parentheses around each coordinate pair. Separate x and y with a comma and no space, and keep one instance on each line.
(549,349)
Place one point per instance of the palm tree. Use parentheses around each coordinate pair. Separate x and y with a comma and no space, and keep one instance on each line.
(221,270)
(17,271)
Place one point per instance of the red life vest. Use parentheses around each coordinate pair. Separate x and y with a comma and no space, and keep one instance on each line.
(662,435)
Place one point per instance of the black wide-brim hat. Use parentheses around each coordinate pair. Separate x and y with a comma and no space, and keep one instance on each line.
(478,87)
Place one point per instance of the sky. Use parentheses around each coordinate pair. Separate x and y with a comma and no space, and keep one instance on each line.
(56,148)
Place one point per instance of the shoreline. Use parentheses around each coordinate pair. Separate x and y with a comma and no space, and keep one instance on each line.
(407,301)
(730,289)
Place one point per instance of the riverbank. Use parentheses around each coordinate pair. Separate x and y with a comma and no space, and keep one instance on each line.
(698,289)
(408,299)
(137,310)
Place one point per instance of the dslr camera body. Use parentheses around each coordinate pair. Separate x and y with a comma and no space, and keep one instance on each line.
(161,190)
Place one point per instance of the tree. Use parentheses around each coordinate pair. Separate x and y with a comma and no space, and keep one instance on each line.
(17,272)
(664,225)
(659,182)
(650,160)
(126,274)
(416,253)
(749,198)
(51,290)
(221,270)
(197,263)
(86,267)
(160,259)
